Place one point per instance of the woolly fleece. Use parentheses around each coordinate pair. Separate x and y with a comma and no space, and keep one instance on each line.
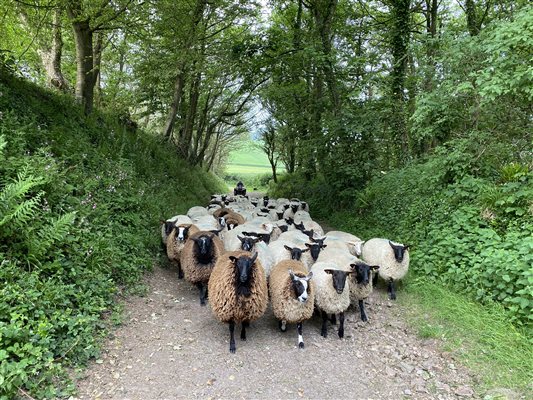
(225,303)
(285,305)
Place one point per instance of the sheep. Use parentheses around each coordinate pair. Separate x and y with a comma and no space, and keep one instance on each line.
(207,223)
(301,216)
(332,293)
(196,212)
(238,291)
(308,226)
(393,259)
(176,242)
(292,295)
(361,285)
(353,242)
(169,224)
(283,250)
(198,258)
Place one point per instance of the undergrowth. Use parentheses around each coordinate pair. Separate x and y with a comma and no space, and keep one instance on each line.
(481,337)
(80,204)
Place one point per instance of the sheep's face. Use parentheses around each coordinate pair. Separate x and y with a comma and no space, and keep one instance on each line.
(296,253)
(247,243)
(300,285)
(315,248)
(204,244)
(222,222)
(363,271)
(183,233)
(243,273)
(300,226)
(265,201)
(283,228)
(286,206)
(294,207)
(289,221)
(399,251)
(338,278)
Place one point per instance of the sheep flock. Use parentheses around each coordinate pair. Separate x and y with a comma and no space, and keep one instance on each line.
(246,251)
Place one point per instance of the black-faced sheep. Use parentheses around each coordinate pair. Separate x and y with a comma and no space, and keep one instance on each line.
(361,285)
(393,259)
(198,259)
(238,291)
(332,293)
(292,295)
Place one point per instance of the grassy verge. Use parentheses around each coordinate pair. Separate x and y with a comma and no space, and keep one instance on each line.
(479,336)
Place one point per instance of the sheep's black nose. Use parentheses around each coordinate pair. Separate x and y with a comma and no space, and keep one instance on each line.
(243,278)
(339,291)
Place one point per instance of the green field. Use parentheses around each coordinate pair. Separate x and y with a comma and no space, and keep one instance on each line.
(247,162)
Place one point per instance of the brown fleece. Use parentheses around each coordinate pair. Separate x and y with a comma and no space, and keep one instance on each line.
(285,305)
(225,303)
(194,271)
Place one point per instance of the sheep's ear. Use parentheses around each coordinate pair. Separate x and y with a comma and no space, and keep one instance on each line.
(304,250)
(287,248)
(308,245)
(291,274)
(353,266)
(246,234)
(309,276)
(240,238)
(406,246)
(374,267)
(328,271)
(254,257)
(323,246)
(233,259)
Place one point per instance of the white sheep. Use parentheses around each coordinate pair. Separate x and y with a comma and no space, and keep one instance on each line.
(332,293)
(196,212)
(392,258)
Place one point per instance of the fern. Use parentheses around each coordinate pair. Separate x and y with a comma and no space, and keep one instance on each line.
(52,233)
(14,207)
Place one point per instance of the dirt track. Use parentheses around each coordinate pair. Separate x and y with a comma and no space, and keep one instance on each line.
(170,347)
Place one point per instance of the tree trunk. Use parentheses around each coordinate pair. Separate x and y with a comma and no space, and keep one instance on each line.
(85,73)
(399,43)
(97,61)
(175,105)
(186,138)
(471,17)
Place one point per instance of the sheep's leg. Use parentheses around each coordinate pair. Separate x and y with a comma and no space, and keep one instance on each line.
(362,309)
(341,325)
(333,319)
(375,279)
(282,325)
(300,335)
(232,347)
(245,324)
(203,292)
(180,271)
(324,331)
(391,290)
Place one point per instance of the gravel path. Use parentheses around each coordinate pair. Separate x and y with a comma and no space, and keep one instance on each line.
(170,347)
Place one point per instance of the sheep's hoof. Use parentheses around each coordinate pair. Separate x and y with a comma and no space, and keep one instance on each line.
(301,345)
(392,296)
(364,318)
(232,350)
(180,275)
(341,333)
(202,302)
(324,333)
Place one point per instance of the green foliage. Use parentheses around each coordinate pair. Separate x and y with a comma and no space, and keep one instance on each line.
(479,336)
(80,204)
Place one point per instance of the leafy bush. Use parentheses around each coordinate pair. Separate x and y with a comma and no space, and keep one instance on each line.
(80,204)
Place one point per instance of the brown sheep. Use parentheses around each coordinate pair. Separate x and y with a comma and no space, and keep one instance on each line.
(176,242)
(292,294)
(198,257)
(238,291)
